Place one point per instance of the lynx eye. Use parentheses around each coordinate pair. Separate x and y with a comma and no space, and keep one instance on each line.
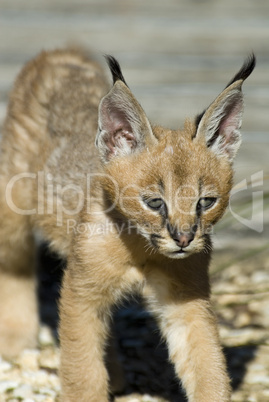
(155,203)
(206,203)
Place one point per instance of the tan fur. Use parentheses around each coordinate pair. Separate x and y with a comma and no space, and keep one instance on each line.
(103,225)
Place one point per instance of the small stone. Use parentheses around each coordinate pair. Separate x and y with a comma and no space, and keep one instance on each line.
(256,367)
(252,398)
(44,398)
(257,379)
(46,337)
(24,392)
(260,277)
(242,320)
(8,386)
(228,314)
(48,392)
(49,359)
(242,280)
(29,359)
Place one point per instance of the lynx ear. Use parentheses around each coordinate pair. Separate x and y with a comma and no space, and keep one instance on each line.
(123,125)
(219,125)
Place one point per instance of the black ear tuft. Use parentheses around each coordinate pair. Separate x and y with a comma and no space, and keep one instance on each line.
(242,74)
(245,70)
(115,69)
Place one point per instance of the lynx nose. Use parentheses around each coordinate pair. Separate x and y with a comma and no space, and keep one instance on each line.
(183,239)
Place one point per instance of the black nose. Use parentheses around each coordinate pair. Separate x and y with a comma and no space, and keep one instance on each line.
(183,239)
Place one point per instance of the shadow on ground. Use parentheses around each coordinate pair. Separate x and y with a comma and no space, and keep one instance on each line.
(143,355)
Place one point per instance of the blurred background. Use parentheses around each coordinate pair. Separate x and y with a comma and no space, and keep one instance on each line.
(176,55)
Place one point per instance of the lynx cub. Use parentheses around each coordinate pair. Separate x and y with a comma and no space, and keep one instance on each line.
(133,215)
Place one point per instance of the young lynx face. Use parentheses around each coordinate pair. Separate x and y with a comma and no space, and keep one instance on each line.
(174,185)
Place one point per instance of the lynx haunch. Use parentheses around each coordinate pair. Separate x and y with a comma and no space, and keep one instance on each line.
(132,214)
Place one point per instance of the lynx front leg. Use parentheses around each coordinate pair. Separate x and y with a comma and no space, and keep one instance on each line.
(83,333)
(89,291)
(189,326)
(18,304)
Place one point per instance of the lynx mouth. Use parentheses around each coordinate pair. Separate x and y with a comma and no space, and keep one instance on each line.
(179,254)
(180,251)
